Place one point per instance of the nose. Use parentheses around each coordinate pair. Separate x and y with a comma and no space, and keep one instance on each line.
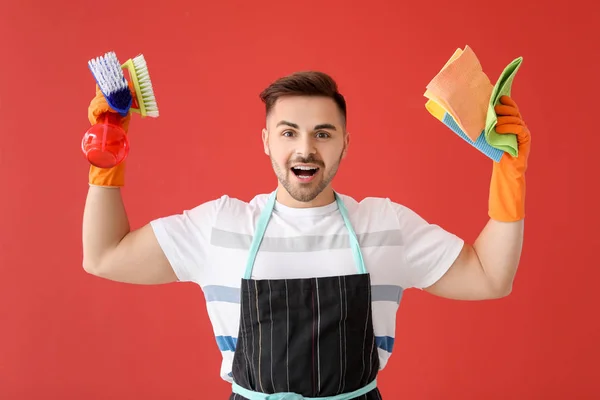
(305,146)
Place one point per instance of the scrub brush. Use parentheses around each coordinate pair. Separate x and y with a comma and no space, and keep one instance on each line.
(145,101)
(112,83)
(105,144)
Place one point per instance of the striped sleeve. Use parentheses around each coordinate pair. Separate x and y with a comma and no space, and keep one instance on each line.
(185,239)
(429,249)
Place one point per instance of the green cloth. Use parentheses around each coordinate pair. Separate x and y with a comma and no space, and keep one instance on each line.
(504,142)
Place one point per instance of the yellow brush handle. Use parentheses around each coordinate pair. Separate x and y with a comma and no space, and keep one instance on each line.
(128,65)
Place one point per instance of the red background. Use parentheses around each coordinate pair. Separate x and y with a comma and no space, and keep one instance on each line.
(68,335)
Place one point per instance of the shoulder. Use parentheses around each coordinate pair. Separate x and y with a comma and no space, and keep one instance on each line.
(364,204)
(383,213)
(372,214)
(224,211)
(373,207)
(229,206)
(386,206)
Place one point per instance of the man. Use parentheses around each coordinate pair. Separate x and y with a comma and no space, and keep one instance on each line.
(303,284)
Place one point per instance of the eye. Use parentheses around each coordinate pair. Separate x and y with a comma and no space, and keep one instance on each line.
(323,135)
(288,133)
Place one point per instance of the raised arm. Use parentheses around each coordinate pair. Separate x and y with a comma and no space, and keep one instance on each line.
(486,269)
(110,249)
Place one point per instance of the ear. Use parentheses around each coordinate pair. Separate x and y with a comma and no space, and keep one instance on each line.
(346,144)
(265,139)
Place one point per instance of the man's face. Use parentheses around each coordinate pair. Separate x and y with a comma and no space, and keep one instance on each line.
(306,140)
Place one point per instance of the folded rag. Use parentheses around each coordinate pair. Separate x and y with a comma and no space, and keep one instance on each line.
(464,91)
(504,142)
(480,144)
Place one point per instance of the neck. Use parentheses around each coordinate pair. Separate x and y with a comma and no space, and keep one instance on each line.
(324,198)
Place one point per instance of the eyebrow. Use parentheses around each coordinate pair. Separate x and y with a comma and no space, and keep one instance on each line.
(295,126)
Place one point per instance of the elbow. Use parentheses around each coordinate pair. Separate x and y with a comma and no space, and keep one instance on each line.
(501,291)
(91,266)
(506,291)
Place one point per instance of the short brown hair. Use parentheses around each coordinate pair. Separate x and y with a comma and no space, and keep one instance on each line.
(304,83)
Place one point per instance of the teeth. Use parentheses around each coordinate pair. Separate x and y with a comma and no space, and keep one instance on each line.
(305,168)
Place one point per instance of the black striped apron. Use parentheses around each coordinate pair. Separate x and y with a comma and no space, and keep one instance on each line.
(305,338)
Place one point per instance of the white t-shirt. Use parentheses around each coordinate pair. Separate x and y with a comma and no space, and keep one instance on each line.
(209,244)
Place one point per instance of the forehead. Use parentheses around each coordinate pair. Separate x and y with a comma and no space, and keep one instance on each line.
(306,111)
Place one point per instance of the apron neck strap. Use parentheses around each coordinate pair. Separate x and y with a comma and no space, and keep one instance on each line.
(263,221)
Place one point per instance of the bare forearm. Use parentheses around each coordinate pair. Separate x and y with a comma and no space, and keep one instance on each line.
(105,224)
(498,248)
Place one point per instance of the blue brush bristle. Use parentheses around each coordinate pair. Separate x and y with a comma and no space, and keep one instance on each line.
(110,79)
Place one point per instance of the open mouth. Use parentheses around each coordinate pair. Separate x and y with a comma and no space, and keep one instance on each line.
(305,172)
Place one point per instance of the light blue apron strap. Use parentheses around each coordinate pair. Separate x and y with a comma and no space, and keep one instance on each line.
(251,395)
(261,227)
(356,252)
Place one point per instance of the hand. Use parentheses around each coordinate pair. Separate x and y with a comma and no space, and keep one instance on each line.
(99,106)
(107,177)
(510,121)
(507,187)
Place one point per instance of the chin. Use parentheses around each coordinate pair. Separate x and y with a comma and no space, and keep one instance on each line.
(304,192)
(304,196)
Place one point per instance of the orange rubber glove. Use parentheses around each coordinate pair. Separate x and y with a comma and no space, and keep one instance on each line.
(115,176)
(507,187)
